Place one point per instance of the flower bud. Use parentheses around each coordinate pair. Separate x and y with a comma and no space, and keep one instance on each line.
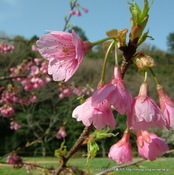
(143,61)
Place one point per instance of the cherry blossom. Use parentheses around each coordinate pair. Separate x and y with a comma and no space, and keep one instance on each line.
(121,151)
(7,110)
(15,160)
(14,125)
(65,52)
(100,115)
(61,133)
(78,13)
(116,93)
(5,48)
(145,113)
(34,48)
(150,146)
(85,10)
(72,12)
(167,106)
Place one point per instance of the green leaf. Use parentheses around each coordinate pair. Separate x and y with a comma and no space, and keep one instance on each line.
(138,15)
(101,134)
(92,148)
(61,151)
(143,37)
(145,10)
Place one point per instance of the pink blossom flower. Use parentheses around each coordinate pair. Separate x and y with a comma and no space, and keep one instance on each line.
(33,99)
(150,146)
(29,168)
(116,93)
(37,60)
(4,48)
(34,48)
(14,159)
(78,13)
(14,125)
(72,12)
(167,106)
(65,52)
(99,116)
(61,95)
(85,10)
(145,113)
(121,151)
(34,70)
(7,111)
(65,93)
(61,133)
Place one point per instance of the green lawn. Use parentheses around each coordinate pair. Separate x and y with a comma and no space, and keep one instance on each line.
(162,166)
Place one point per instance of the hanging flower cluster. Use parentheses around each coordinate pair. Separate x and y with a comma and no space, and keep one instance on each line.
(77,10)
(65,52)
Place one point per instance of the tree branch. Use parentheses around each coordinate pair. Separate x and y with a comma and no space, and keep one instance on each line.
(74,149)
(128,53)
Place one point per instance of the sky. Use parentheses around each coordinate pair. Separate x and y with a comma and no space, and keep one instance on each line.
(34,17)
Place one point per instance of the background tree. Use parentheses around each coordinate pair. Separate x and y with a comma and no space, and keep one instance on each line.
(79,32)
(170,42)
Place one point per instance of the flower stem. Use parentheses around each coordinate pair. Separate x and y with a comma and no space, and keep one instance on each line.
(105,61)
(116,54)
(154,76)
(145,76)
(101,41)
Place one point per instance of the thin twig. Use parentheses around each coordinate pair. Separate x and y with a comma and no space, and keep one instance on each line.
(29,164)
(10,78)
(115,168)
(72,6)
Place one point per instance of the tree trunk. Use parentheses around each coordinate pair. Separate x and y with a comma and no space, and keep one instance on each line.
(43,149)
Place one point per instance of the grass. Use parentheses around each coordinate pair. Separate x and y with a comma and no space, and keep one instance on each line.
(163,166)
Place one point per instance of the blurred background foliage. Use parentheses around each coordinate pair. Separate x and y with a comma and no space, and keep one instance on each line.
(43,118)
